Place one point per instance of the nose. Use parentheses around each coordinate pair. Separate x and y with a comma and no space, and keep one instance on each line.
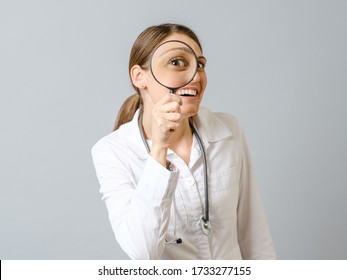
(196,77)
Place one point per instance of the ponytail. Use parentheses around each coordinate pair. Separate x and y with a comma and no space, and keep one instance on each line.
(127,110)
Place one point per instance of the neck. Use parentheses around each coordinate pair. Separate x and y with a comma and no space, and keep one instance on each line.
(182,136)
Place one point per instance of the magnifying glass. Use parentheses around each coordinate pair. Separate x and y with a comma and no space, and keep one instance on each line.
(173,64)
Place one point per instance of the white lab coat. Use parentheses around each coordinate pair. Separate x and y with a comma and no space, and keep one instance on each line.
(149,205)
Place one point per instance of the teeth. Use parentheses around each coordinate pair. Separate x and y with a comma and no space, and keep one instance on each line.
(187,92)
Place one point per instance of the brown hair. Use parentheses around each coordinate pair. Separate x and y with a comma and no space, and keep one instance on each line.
(145,43)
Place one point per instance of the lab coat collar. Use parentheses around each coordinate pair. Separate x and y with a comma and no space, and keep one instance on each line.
(210,128)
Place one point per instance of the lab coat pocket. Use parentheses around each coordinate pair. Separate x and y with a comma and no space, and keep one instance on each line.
(223,192)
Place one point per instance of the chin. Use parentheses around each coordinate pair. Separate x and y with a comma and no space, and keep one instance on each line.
(189,110)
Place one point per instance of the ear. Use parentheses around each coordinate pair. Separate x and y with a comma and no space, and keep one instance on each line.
(138,76)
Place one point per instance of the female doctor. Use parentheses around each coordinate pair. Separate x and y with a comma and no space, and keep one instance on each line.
(176,178)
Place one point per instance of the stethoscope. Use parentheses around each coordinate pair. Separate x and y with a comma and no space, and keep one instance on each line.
(205,223)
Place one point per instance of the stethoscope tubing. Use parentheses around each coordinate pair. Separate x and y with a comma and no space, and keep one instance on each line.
(204,163)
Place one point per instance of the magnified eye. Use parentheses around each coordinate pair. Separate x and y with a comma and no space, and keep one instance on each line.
(178,62)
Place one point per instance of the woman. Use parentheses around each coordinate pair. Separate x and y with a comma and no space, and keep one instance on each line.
(156,197)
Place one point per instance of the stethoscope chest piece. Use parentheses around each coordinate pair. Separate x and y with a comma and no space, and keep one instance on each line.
(205,226)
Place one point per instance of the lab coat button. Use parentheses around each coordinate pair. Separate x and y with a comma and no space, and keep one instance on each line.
(190,182)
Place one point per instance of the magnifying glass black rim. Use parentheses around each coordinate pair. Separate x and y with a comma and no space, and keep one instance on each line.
(155,78)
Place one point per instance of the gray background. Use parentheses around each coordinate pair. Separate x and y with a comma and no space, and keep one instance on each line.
(279,66)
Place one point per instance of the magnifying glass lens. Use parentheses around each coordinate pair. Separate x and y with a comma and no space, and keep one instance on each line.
(174,64)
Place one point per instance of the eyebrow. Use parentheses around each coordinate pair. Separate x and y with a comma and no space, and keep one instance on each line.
(202,57)
(187,50)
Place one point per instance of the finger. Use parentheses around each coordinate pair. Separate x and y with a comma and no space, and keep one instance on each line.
(171,107)
(172,117)
(169,98)
(166,121)
(177,98)
(170,127)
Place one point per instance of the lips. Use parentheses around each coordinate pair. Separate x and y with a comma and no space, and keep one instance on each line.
(186,92)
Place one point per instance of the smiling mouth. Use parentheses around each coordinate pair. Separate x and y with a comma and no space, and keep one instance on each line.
(186,92)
